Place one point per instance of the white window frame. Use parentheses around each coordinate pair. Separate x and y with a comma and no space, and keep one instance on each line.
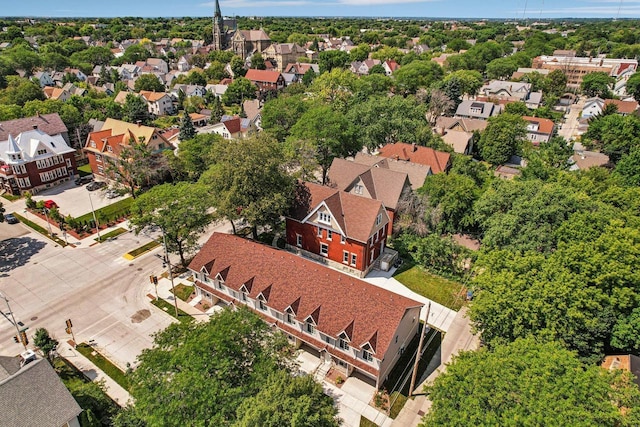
(324,217)
(354,259)
(343,239)
(319,233)
(357,189)
(324,252)
(299,240)
(329,235)
(345,257)
(343,344)
(367,356)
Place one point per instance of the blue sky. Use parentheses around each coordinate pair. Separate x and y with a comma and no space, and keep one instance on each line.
(532,9)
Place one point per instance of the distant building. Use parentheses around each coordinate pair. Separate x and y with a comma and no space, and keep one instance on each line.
(575,68)
(284,53)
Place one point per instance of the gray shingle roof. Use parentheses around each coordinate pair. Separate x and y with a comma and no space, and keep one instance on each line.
(35,396)
(48,123)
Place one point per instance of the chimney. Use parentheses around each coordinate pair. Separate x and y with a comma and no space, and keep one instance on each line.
(139,123)
(37,113)
(413,147)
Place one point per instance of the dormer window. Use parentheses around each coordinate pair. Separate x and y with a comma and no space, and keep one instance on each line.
(42,151)
(109,148)
(324,217)
(311,329)
(357,189)
(379,219)
(93,144)
(367,356)
(343,344)
(261,305)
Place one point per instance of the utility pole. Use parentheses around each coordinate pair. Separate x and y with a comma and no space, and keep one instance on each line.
(415,364)
(166,254)
(45,210)
(95,220)
(13,319)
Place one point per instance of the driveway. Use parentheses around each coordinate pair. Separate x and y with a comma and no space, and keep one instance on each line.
(569,128)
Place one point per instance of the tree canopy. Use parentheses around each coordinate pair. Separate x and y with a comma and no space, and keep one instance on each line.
(230,371)
(530,383)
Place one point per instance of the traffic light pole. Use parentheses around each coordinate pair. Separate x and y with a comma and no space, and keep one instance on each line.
(13,319)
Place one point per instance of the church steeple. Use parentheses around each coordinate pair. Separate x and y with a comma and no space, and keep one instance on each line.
(218,29)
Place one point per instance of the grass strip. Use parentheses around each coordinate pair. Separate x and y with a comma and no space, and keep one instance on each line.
(366,422)
(39,229)
(183,291)
(398,400)
(118,231)
(119,207)
(170,309)
(11,197)
(142,249)
(436,288)
(104,364)
(84,170)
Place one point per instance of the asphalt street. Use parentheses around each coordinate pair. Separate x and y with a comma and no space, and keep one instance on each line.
(102,293)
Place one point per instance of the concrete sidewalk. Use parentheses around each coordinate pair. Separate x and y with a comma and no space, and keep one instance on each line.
(164,292)
(112,388)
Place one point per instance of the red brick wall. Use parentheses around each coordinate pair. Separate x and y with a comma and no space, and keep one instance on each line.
(92,162)
(311,242)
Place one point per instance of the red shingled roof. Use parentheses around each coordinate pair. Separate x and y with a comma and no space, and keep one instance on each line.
(262,76)
(437,160)
(624,107)
(233,125)
(544,125)
(355,215)
(338,302)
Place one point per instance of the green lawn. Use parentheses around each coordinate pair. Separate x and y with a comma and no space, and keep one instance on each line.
(10,197)
(39,229)
(84,170)
(103,363)
(119,207)
(170,309)
(365,422)
(397,401)
(183,291)
(142,249)
(436,288)
(118,231)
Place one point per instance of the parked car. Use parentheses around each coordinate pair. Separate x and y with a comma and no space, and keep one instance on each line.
(96,185)
(50,204)
(81,180)
(112,194)
(11,219)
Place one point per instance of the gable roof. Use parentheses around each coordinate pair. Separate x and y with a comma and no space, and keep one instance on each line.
(381,183)
(624,107)
(416,172)
(34,395)
(544,125)
(117,133)
(254,35)
(28,143)
(355,215)
(487,109)
(335,301)
(152,96)
(467,124)
(50,124)
(458,140)
(233,125)
(437,160)
(262,76)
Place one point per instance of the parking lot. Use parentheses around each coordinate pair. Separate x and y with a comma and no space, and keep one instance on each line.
(75,200)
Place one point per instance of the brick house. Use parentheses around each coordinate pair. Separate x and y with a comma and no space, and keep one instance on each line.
(356,326)
(105,146)
(266,80)
(372,182)
(34,161)
(336,228)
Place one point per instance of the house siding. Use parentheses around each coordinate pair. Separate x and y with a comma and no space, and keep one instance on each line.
(407,329)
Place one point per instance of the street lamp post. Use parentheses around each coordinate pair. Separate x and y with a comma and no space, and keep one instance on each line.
(95,220)
(166,255)
(13,319)
(45,210)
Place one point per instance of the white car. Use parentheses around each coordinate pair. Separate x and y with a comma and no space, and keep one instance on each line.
(112,194)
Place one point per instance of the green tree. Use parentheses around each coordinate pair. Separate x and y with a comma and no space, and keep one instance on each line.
(597,84)
(196,155)
(281,113)
(440,255)
(502,138)
(555,83)
(330,59)
(149,82)
(217,111)
(382,120)
(633,86)
(187,130)
(613,134)
(418,74)
(320,135)
(180,210)
(257,61)
(501,68)
(529,382)
(135,109)
(249,180)
(242,354)
(470,80)
(628,168)
(238,91)
(237,67)
(137,167)
(288,402)
(45,342)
